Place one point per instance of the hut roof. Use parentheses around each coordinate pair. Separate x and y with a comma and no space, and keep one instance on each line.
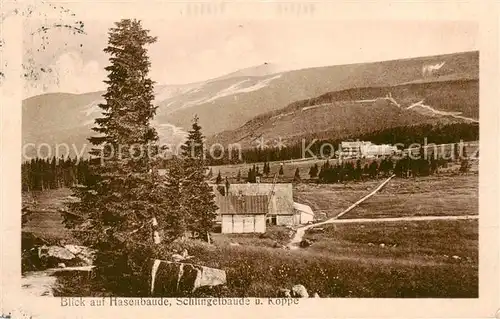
(283,195)
(242,205)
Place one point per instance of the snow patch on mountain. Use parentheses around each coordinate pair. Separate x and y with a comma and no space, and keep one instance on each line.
(92,108)
(434,111)
(170,91)
(233,89)
(429,69)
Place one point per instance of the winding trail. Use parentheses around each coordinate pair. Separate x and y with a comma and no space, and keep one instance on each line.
(299,234)
(403,219)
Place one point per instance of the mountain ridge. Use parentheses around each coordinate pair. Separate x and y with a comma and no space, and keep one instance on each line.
(228,103)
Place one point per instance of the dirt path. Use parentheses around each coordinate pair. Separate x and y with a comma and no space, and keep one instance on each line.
(41,283)
(402,219)
(299,234)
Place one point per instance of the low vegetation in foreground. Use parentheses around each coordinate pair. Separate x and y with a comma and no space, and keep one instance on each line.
(424,259)
(260,271)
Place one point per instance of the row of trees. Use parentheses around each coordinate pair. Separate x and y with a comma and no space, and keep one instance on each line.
(253,173)
(41,174)
(357,170)
(354,171)
(404,135)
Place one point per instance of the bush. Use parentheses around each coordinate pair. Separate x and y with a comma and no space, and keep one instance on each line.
(261,271)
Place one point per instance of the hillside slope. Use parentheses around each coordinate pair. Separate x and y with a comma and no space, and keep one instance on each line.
(229,102)
(358,111)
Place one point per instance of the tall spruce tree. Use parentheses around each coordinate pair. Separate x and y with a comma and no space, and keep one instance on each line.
(123,194)
(296,176)
(218,180)
(200,202)
(313,171)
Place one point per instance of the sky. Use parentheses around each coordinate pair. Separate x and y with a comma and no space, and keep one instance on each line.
(191,50)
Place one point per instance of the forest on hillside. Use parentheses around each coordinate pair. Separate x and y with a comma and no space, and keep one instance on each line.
(404,136)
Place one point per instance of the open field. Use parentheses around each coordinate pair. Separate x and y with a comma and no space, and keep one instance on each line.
(438,195)
(397,259)
(46,222)
(412,242)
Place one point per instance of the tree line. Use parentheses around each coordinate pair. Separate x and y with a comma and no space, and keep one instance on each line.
(358,170)
(403,136)
(40,174)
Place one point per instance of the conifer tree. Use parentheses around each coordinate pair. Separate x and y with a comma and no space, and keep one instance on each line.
(313,171)
(123,193)
(281,170)
(218,180)
(266,169)
(373,169)
(464,165)
(251,178)
(358,172)
(296,176)
(227,185)
(199,195)
(238,176)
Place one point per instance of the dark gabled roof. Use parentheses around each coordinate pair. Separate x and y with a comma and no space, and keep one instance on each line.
(282,200)
(241,205)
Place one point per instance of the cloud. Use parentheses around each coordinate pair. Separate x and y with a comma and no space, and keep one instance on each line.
(69,73)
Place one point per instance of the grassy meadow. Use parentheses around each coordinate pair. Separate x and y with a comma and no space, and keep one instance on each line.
(427,259)
(437,195)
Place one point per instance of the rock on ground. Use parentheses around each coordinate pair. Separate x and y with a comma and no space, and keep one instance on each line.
(70,255)
(299,291)
(176,278)
(305,243)
(283,292)
(74,249)
(55,252)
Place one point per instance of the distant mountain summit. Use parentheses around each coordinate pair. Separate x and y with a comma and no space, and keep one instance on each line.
(267,99)
(258,70)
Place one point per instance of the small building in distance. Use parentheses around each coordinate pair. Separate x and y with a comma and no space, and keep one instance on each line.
(363,149)
(279,197)
(242,214)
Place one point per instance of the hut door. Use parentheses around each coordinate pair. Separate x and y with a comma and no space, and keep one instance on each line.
(248,224)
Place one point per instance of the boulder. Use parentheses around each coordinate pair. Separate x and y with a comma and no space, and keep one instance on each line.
(69,255)
(87,255)
(316,295)
(55,252)
(283,292)
(305,243)
(74,249)
(177,279)
(299,291)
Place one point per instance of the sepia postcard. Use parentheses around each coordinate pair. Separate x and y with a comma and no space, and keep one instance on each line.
(265,158)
